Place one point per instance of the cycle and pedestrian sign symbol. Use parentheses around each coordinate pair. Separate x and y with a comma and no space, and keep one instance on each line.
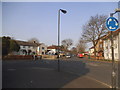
(112,24)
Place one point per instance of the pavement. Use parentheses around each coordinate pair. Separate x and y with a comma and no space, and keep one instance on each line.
(31,74)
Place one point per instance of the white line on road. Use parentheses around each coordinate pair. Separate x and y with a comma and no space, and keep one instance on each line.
(93,79)
(99,82)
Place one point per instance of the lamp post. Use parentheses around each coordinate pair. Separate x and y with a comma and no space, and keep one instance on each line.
(63,11)
(112,49)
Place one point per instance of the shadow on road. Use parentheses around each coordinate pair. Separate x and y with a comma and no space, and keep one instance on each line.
(41,73)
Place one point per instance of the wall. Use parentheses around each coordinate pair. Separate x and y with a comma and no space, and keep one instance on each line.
(107,49)
(41,51)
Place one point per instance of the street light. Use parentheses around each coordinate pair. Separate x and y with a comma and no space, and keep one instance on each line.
(116,11)
(112,49)
(63,11)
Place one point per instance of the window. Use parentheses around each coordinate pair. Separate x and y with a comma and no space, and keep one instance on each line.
(42,52)
(106,54)
(42,48)
(100,46)
(115,45)
(23,46)
(106,47)
(116,54)
(111,54)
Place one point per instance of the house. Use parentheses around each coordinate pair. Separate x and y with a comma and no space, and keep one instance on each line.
(91,51)
(41,49)
(29,48)
(52,49)
(116,45)
(99,47)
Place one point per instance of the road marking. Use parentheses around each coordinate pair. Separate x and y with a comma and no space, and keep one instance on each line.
(93,79)
(99,81)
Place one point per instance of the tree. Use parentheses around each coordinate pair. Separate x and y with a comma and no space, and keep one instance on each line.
(5,45)
(94,30)
(13,46)
(81,46)
(33,40)
(74,50)
(66,44)
(9,45)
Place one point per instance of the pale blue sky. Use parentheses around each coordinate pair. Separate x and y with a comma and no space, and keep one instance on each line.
(27,20)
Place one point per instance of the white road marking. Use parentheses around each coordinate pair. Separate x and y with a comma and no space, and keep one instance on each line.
(99,82)
(93,79)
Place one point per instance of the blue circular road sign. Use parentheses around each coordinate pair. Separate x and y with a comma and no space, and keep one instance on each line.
(112,24)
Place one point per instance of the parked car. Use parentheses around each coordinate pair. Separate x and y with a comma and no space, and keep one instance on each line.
(80,55)
(68,56)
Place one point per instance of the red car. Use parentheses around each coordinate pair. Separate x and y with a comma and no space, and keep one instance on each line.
(80,55)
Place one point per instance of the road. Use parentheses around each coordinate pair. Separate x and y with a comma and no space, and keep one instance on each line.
(74,73)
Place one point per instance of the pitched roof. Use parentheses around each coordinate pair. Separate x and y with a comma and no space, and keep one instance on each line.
(24,43)
(91,47)
(114,34)
(52,47)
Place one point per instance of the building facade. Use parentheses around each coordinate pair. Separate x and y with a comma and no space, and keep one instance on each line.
(91,51)
(41,49)
(29,48)
(52,50)
(116,45)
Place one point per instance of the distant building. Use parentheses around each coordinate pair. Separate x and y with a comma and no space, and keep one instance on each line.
(29,48)
(91,51)
(41,49)
(52,49)
(99,47)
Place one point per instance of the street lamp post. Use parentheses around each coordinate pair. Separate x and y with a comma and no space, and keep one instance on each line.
(112,49)
(63,11)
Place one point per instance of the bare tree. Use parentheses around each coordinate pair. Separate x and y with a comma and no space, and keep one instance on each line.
(74,50)
(94,30)
(67,43)
(33,40)
(81,46)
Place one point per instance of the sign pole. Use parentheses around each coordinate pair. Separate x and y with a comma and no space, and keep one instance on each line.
(112,25)
(113,63)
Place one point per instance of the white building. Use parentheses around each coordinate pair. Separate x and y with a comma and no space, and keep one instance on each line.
(29,48)
(107,46)
(41,49)
(91,51)
(52,50)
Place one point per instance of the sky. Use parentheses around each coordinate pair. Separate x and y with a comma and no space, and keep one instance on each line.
(26,20)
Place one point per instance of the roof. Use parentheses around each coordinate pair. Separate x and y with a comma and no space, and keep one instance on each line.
(52,47)
(24,43)
(91,47)
(114,34)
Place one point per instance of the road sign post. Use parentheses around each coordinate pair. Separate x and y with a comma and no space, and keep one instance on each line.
(112,25)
